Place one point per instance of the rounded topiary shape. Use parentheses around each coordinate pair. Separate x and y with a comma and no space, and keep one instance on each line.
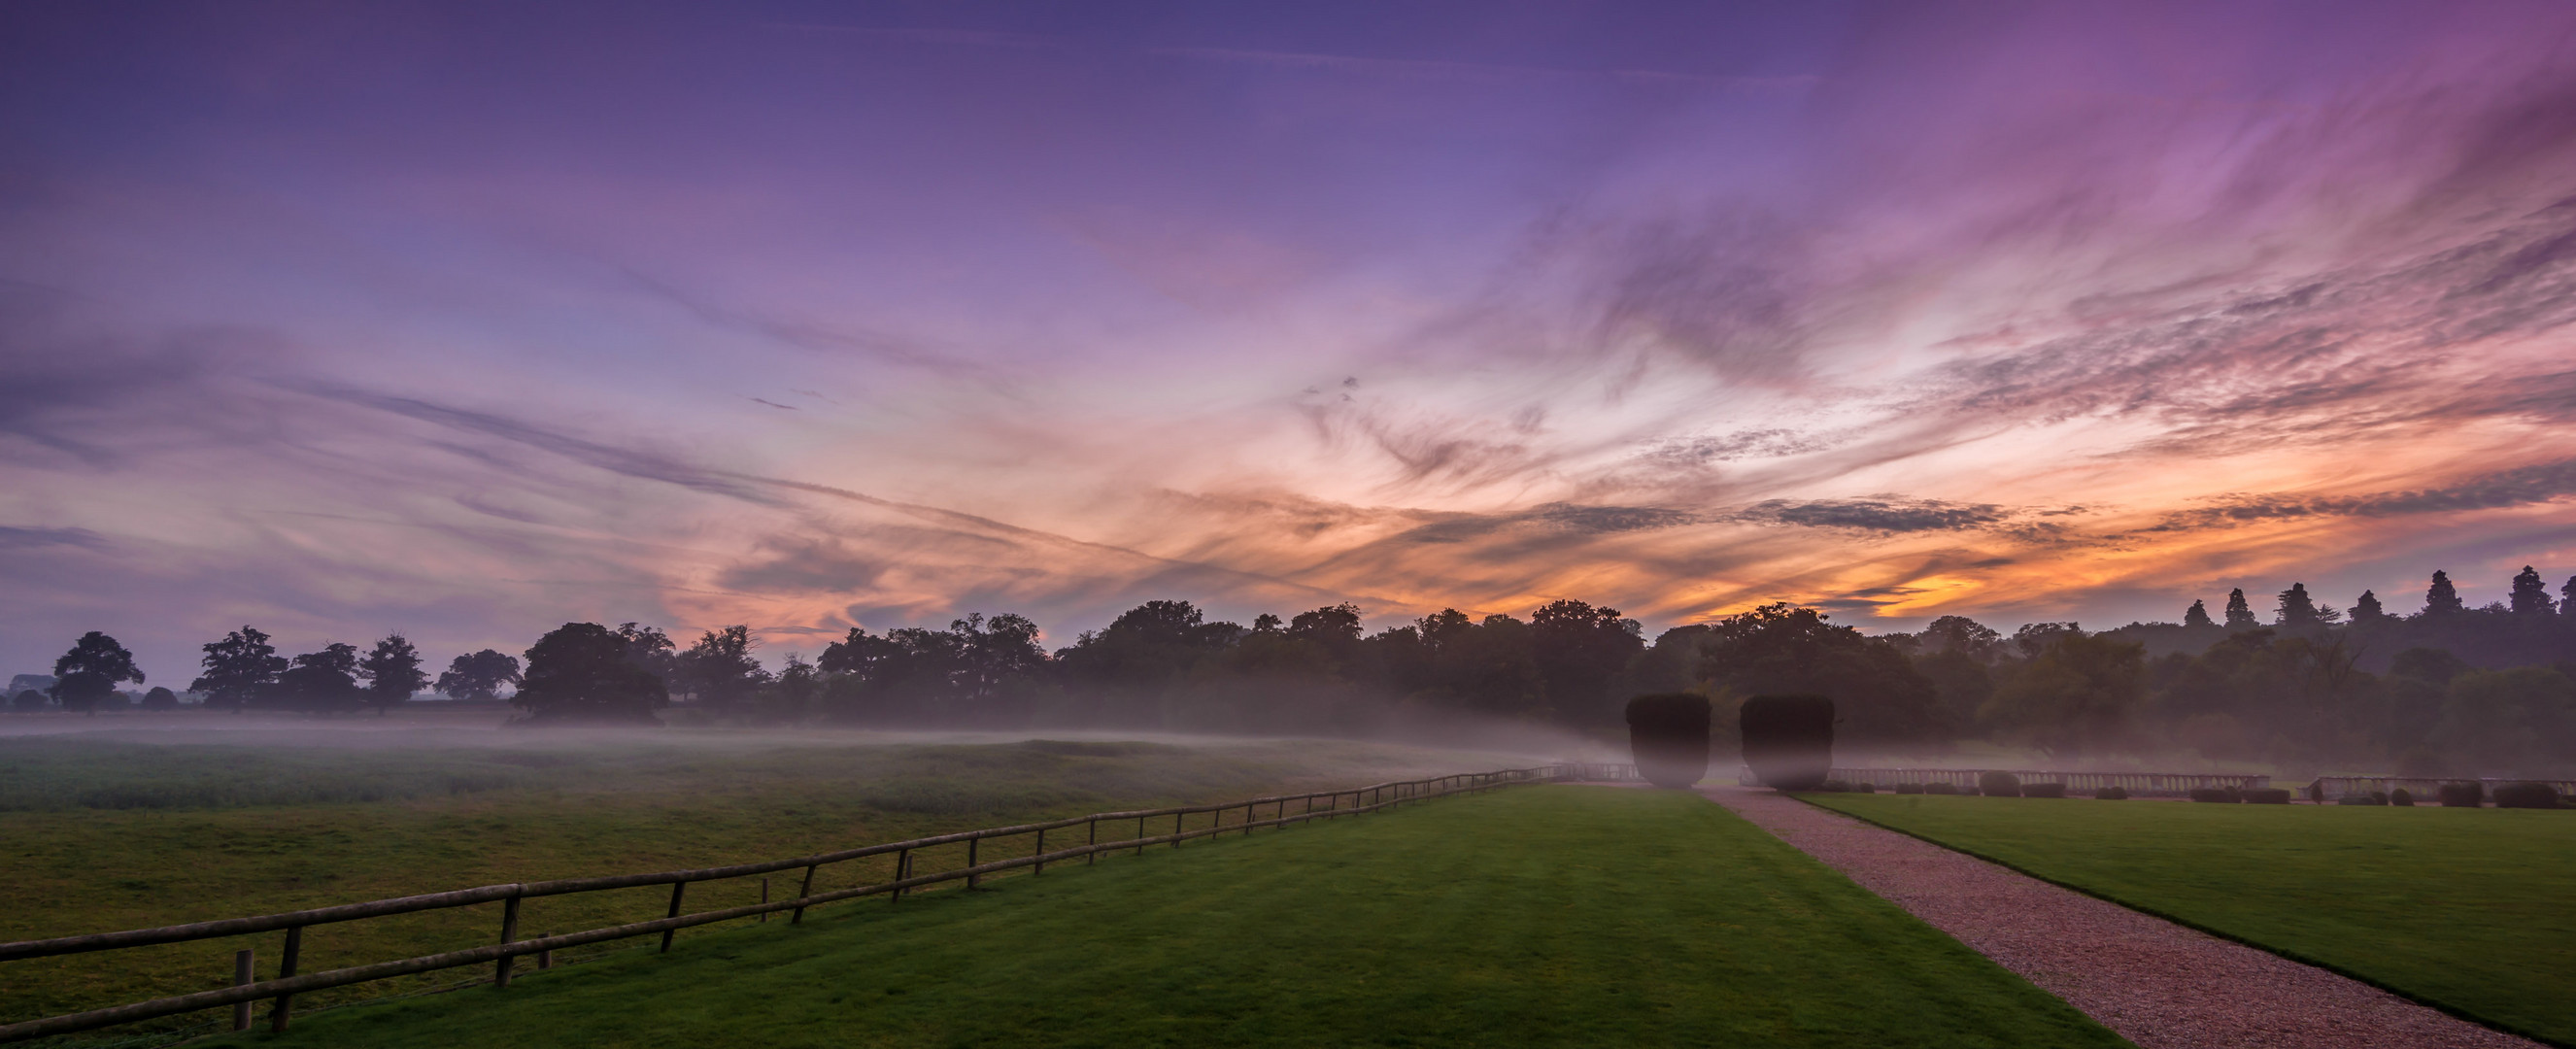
(2526,796)
(2401,796)
(1788,740)
(1999,784)
(1668,735)
(2112,794)
(2460,795)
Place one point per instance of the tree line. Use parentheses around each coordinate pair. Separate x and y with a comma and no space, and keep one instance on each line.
(2447,685)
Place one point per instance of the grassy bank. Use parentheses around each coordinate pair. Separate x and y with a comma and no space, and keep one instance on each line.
(2471,909)
(105,834)
(1533,916)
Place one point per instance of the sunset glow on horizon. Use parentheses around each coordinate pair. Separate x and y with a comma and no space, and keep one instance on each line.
(467,322)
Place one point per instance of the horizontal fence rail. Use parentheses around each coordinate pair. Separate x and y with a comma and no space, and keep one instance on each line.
(1257,813)
(2425,787)
(2175,783)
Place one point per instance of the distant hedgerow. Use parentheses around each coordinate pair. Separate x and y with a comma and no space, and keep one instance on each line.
(2222,795)
(2526,796)
(2464,795)
(1999,784)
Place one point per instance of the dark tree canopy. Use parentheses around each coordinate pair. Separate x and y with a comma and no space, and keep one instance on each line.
(2366,608)
(2441,598)
(324,682)
(392,672)
(479,676)
(2197,615)
(91,671)
(719,671)
(239,669)
(580,674)
(160,698)
(1778,649)
(2530,595)
(2240,616)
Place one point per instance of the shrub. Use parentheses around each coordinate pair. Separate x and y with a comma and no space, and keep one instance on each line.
(2224,795)
(2400,797)
(1909,788)
(1788,740)
(1999,785)
(2526,796)
(1668,734)
(2267,796)
(1940,788)
(2112,794)
(2460,795)
(2043,790)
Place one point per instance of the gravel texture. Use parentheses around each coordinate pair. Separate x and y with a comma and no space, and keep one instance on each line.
(2158,984)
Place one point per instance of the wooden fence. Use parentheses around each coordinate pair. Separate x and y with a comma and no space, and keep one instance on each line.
(2423,788)
(2174,783)
(1256,813)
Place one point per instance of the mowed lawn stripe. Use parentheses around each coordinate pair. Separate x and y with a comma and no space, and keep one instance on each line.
(2469,910)
(1531,916)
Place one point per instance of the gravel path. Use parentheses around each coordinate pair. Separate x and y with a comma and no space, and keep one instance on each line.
(2158,984)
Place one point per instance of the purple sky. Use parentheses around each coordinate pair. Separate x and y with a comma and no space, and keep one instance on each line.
(467,321)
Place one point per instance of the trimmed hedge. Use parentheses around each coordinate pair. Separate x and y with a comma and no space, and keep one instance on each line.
(2526,796)
(2043,790)
(1909,788)
(2460,795)
(2370,798)
(2400,797)
(1940,788)
(2267,796)
(1788,740)
(1668,735)
(2222,795)
(1999,784)
(2112,794)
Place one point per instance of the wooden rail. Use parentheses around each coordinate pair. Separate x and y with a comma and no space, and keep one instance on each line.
(280,991)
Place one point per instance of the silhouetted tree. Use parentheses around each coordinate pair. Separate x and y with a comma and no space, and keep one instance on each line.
(2075,696)
(160,698)
(28,701)
(719,671)
(1965,636)
(2567,604)
(90,672)
(2441,598)
(650,648)
(2197,615)
(239,669)
(2530,595)
(479,676)
(1779,649)
(580,673)
(1580,650)
(2296,609)
(392,672)
(2365,609)
(324,682)
(2240,616)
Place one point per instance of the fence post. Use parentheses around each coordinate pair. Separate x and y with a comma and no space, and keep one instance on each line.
(902,870)
(1176,830)
(509,933)
(278,1013)
(242,975)
(971,843)
(1091,837)
(545,958)
(1140,835)
(1040,867)
(802,892)
(678,889)
(764,899)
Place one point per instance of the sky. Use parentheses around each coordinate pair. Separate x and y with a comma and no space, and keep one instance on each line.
(465,321)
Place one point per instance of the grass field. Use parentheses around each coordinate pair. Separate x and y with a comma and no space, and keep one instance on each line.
(99,834)
(2470,909)
(1531,916)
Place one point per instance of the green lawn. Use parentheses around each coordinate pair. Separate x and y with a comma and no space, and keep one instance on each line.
(1532,916)
(122,832)
(2473,910)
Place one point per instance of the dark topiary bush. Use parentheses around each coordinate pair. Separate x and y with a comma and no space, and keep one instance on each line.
(2112,794)
(1864,788)
(2526,796)
(2372,798)
(2400,797)
(2460,795)
(2317,793)
(1999,784)
(2267,796)
(1789,740)
(1909,788)
(2224,795)
(2043,790)
(1940,788)
(1668,734)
